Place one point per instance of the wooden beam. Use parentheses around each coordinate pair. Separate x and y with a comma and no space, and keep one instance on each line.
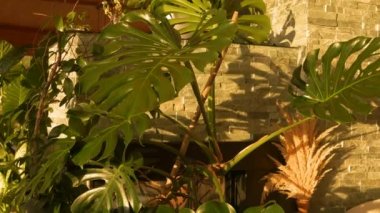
(24,22)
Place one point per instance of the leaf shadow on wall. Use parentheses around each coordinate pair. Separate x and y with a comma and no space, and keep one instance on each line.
(250,87)
(343,188)
(287,34)
(167,131)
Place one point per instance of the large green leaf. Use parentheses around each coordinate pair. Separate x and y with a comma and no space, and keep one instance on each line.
(103,137)
(153,63)
(215,207)
(253,25)
(342,83)
(270,207)
(139,70)
(117,192)
(13,95)
(52,165)
(9,56)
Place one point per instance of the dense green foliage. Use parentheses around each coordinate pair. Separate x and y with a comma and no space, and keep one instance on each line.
(82,165)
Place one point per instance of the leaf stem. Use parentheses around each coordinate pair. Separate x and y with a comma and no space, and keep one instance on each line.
(41,107)
(226,167)
(187,130)
(45,90)
(201,101)
(205,92)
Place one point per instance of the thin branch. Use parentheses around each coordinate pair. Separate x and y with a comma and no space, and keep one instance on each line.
(201,101)
(211,110)
(203,147)
(205,92)
(34,146)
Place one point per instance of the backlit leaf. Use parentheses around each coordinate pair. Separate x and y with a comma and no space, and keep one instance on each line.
(342,83)
(14,94)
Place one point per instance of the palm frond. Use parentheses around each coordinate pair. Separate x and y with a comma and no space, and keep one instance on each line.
(306,159)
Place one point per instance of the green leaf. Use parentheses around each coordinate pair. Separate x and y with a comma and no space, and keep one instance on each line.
(135,160)
(49,172)
(164,209)
(103,138)
(59,25)
(68,87)
(9,56)
(57,131)
(215,207)
(76,127)
(255,209)
(68,65)
(275,208)
(94,145)
(14,94)
(117,192)
(253,25)
(269,207)
(127,173)
(186,210)
(71,16)
(5,47)
(154,72)
(141,123)
(341,85)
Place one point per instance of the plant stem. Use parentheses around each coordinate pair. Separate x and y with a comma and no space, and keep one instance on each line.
(44,92)
(211,110)
(205,92)
(226,167)
(204,148)
(201,101)
(41,108)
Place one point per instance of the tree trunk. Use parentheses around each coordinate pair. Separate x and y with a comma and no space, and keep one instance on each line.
(303,205)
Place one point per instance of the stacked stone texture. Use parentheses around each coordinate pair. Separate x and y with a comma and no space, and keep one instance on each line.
(250,81)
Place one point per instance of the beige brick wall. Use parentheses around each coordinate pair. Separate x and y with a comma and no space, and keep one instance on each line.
(289,24)
(251,79)
(333,20)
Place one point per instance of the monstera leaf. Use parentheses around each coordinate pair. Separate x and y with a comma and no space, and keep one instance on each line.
(342,83)
(9,56)
(253,24)
(49,172)
(137,70)
(14,94)
(153,63)
(103,140)
(214,207)
(117,193)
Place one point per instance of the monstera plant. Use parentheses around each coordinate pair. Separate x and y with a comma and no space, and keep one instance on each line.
(84,165)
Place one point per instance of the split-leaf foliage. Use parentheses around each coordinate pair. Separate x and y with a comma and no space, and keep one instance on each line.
(83,165)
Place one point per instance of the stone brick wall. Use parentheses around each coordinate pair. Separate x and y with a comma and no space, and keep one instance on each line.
(355,174)
(333,20)
(251,79)
(289,25)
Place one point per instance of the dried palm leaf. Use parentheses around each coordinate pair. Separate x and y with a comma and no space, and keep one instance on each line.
(306,159)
